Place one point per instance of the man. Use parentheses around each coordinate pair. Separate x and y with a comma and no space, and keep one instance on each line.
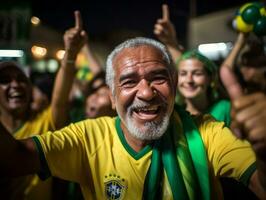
(21,121)
(150,151)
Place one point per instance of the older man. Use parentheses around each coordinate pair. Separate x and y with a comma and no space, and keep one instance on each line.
(151,150)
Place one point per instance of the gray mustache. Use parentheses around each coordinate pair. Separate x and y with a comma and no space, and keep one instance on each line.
(137,104)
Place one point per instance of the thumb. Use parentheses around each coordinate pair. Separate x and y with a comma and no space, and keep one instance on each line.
(231,83)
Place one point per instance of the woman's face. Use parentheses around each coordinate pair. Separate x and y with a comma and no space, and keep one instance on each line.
(99,103)
(193,79)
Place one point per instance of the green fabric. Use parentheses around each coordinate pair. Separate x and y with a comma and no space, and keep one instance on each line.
(184,162)
(246,176)
(152,189)
(132,152)
(172,167)
(45,171)
(220,110)
(197,152)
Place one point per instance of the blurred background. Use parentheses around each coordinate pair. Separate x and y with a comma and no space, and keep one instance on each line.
(31,32)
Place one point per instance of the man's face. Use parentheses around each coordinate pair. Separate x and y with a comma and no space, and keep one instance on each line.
(15,91)
(144,92)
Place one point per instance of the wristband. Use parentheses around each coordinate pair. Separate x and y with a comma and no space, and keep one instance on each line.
(70,61)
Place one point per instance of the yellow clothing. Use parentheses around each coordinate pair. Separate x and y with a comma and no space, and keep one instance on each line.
(96,156)
(31,187)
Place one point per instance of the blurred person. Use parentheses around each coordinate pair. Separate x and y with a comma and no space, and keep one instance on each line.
(151,150)
(21,121)
(248,57)
(40,100)
(42,92)
(199,89)
(98,101)
(81,83)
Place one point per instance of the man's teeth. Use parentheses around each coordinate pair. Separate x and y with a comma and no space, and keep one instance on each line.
(148,109)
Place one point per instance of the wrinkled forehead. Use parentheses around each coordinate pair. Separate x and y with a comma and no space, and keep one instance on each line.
(140,54)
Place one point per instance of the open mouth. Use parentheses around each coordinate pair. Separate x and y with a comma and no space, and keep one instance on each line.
(16,96)
(147,113)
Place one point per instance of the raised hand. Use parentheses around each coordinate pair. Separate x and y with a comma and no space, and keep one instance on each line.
(164,28)
(76,37)
(249,113)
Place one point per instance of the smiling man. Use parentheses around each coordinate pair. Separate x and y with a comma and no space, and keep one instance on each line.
(143,92)
(152,150)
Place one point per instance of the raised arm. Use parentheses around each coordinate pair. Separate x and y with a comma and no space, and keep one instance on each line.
(74,40)
(165,32)
(248,121)
(231,58)
(17,157)
(94,65)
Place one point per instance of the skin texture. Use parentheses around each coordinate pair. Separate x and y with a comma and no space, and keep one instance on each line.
(99,103)
(164,30)
(192,79)
(142,76)
(248,121)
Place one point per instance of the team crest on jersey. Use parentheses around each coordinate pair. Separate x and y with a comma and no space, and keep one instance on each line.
(114,187)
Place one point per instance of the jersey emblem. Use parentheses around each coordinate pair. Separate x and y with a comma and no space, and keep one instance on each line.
(114,187)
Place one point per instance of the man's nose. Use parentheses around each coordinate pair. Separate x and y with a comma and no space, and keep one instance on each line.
(145,91)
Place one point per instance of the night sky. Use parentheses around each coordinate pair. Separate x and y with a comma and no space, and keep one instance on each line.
(108,18)
(101,16)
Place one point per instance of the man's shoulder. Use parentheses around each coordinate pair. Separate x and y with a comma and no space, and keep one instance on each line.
(97,127)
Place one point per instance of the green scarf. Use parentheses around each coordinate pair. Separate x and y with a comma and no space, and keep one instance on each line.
(184,163)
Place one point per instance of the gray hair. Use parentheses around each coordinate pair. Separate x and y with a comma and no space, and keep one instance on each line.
(135,42)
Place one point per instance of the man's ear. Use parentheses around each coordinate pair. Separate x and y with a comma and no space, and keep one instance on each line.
(112,99)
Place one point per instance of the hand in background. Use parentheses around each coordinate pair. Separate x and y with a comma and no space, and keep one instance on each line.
(75,38)
(164,28)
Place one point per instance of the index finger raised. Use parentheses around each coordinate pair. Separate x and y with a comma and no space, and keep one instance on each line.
(165,10)
(78,20)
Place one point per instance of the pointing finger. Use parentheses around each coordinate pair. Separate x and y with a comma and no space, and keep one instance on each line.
(165,11)
(78,20)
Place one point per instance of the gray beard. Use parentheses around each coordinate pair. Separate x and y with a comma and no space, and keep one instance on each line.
(150,130)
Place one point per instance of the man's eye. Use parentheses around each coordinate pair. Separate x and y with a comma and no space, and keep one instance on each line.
(159,79)
(128,84)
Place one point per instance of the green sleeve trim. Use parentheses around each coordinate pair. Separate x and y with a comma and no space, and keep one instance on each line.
(45,171)
(247,174)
